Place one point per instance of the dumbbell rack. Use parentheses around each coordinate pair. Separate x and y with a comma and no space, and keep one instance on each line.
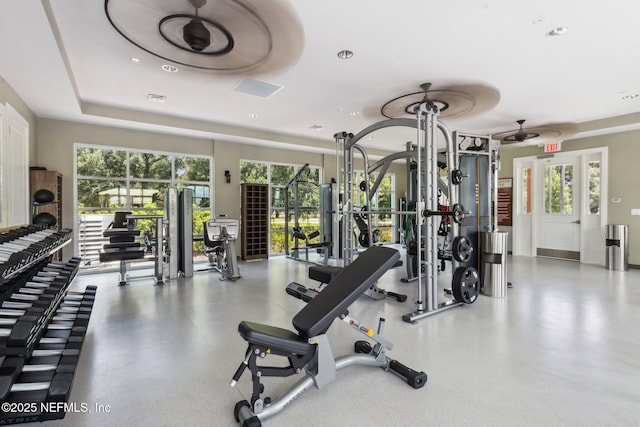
(42,324)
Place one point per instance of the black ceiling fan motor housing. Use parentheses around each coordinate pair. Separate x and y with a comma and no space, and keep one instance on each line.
(196,35)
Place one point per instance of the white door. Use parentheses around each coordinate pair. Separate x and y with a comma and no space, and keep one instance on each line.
(558,208)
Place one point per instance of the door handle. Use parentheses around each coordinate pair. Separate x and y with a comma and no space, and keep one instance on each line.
(577,221)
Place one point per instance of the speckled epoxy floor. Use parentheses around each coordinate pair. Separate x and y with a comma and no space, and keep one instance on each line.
(562,349)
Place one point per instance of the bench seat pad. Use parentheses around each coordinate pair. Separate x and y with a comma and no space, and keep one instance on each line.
(279,340)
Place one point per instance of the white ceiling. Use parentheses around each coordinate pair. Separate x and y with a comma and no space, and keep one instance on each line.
(67,62)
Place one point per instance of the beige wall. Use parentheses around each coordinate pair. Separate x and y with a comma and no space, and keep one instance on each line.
(624,181)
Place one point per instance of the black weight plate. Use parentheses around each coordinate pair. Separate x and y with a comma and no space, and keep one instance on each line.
(461,249)
(364,214)
(457,211)
(456,176)
(465,284)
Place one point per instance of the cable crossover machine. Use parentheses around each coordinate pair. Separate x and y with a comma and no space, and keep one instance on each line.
(472,164)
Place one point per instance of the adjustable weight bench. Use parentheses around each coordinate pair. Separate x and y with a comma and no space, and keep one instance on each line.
(309,347)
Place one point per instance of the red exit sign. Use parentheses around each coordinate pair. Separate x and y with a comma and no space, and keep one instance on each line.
(552,147)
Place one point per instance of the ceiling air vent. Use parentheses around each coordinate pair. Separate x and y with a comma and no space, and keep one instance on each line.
(257,88)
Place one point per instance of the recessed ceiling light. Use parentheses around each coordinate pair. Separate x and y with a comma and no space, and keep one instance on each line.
(558,31)
(345,54)
(253,116)
(170,68)
(135,60)
(317,128)
(627,97)
(156,98)
(354,113)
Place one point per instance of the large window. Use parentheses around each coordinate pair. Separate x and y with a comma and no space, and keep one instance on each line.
(110,180)
(277,176)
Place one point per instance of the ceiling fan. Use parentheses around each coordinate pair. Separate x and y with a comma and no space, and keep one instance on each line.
(453,101)
(520,135)
(555,131)
(219,35)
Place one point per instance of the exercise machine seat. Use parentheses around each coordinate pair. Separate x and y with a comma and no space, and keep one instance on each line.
(278,340)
